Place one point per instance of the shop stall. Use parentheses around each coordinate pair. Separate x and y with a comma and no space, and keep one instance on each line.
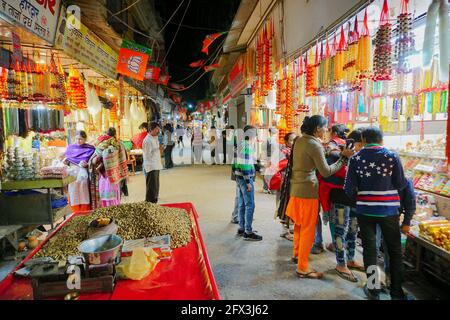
(383,64)
(180,273)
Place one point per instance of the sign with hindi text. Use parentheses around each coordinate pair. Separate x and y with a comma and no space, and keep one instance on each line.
(37,16)
(85,46)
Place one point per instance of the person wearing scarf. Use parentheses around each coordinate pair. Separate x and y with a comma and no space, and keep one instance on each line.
(112,170)
(77,156)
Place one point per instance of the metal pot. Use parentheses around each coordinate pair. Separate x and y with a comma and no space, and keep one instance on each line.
(102,250)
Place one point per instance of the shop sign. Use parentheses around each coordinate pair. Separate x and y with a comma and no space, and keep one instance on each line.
(237,77)
(84,45)
(145,87)
(37,16)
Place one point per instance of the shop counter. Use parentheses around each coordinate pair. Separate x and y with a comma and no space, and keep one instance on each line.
(186,276)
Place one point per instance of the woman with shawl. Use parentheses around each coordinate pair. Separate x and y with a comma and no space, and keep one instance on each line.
(77,156)
(111,163)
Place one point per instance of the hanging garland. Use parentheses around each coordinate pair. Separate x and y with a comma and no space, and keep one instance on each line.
(383,47)
(351,57)
(364,62)
(339,60)
(404,44)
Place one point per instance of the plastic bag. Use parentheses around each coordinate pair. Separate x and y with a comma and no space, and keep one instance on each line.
(140,265)
(82,175)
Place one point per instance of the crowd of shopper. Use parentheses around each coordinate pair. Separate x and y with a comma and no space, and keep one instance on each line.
(350,179)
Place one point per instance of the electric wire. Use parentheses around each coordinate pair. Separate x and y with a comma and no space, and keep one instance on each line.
(176,33)
(130,6)
(195,82)
(170,19)
(207,60)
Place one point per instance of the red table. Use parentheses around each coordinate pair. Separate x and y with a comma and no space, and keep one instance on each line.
(186,276)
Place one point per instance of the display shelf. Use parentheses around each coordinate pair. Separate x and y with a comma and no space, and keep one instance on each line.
(421,155)
(433,192)
(430,246)
(37,184)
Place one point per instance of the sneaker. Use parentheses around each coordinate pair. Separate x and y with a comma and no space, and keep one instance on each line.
(240,233)
(317,250)
(234,221)
(371,295)
(252,237)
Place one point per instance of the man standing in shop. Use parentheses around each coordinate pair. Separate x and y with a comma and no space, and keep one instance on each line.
(152,162)
(244,170)
(374,178)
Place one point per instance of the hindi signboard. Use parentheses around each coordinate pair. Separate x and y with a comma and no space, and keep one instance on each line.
(85,46)
(37,16)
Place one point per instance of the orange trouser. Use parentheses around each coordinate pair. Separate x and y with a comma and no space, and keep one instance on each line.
(304,213)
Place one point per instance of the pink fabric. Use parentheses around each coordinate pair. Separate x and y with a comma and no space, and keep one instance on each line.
(109,192)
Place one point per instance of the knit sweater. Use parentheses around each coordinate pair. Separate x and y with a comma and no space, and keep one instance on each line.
(374,178)
(243,165)
(309,156)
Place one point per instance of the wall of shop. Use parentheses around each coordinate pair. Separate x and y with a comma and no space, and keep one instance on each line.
(232,113)
(304,19)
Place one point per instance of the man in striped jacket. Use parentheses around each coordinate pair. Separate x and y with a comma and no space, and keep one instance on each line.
(374,178)
(244,170)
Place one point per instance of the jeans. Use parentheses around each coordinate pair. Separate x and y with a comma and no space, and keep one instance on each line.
(385,251)
(390,230)
(234,215)
(246,207)
(345,233)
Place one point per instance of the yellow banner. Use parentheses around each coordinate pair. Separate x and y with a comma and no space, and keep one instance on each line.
(83,45)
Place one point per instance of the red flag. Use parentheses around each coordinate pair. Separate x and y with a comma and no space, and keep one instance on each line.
(152,73)
(197,64)
(212,67)
(164,80)
(209,40)
(177,86)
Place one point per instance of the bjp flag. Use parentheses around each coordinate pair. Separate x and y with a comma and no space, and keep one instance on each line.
(133,60)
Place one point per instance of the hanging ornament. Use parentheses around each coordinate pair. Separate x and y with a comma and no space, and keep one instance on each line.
(404,44)
(18,81)
(4,83)
(351,57)
(339,60)
(364,60)
(383,47)
(75,89)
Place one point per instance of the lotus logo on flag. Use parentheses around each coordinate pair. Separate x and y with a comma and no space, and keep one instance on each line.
(133,60)
(134,64)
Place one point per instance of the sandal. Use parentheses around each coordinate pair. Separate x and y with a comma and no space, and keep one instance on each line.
(288,236)
(310,275)
(356,267)
(346,276)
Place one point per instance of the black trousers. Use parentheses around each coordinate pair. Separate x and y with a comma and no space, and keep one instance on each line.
(152,190)
(390,229)
(168,157)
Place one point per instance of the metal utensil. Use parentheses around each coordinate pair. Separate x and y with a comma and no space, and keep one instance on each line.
(102,250)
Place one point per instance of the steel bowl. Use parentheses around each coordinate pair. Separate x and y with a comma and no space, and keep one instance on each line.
(102,250)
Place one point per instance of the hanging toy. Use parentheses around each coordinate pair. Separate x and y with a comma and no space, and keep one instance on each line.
(404,45)
(383,47)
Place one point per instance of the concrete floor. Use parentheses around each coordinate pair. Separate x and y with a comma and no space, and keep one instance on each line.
(246,270)
(252,270)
